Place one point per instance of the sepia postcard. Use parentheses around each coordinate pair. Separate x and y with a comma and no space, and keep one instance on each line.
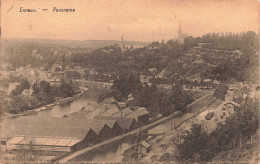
(129,81)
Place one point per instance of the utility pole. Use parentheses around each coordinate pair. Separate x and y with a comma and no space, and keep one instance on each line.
(173,119)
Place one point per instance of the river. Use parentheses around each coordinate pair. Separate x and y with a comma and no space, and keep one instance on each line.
(112,153)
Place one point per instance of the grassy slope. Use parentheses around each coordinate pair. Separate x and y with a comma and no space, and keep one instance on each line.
(247,153)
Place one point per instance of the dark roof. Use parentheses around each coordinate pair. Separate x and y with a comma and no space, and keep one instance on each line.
(123,122)
(110,112)
(231,102)
(137,113)
(125,112)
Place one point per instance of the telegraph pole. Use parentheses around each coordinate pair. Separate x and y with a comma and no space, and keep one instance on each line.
(173,119)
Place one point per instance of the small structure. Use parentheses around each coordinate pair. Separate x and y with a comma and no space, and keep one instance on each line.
(121,105)
(130,97)
(230,106)
(27,92)
(153,70)
(144,79)
(55,82)
(145,146)
(109,100)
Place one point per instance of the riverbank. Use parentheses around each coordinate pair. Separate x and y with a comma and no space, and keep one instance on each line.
(182,118)
(162,148)
(47,106)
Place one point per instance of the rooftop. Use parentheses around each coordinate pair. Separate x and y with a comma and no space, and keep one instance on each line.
(123,122)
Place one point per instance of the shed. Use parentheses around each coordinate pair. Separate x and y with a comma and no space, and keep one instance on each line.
(146,146)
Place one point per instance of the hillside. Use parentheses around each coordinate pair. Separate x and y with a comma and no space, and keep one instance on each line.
(247,153)
(71,43)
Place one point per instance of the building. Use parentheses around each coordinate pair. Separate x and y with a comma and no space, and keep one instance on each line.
(130,97)
(110,127)
(110,111)
(121,105)
(27,92)
(141,115)
(126,124)
(145,146)
(57,134)
(122,113)
(153,70)
(55,82)
(181,36)
(41,143)
(230,106)
(110,100)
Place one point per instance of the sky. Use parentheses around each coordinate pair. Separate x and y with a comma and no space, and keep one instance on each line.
(136,20)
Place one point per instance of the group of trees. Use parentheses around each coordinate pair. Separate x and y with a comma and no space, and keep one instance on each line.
(157,101)
(199,146)
(42,93)
(21,87)
(221,91)
(124,86)
(45,92)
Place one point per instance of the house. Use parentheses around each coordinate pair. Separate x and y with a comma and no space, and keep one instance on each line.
(130,97)
(121,105)
(153,70)
(59,68)
(55,82)
(145,146)
(109,100)
(27,92)
(144,79)
(230,106)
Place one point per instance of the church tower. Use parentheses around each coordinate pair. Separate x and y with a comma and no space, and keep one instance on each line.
(180,35)
(122,43)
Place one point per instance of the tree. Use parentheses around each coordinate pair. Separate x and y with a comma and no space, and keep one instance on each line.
(20,88)
(221,91)
(193,145)
(179,97)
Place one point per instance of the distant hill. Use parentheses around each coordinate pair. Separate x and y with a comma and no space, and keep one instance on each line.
(71,43)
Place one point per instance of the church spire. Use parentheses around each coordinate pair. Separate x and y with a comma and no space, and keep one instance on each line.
(122,43)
